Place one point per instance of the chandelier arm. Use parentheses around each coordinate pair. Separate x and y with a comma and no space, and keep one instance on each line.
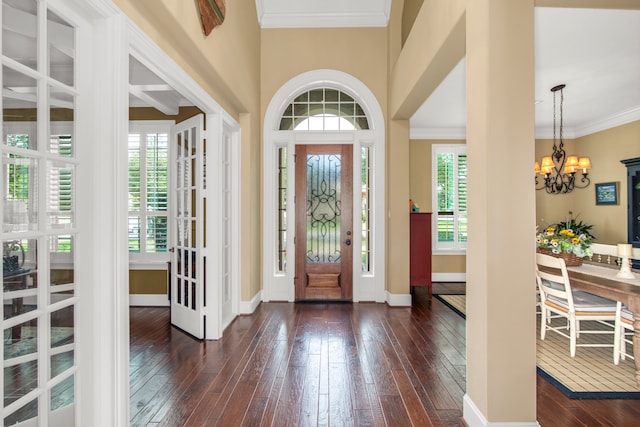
(584,181)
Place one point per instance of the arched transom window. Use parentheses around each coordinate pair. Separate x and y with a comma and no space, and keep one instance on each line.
(324,109)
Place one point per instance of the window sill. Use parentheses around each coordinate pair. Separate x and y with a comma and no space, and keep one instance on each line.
(147,264)
(449,252)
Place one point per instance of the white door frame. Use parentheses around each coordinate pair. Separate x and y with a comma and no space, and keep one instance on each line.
(278,286)
(217,120)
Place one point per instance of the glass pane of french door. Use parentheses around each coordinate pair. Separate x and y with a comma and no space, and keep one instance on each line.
(38,216)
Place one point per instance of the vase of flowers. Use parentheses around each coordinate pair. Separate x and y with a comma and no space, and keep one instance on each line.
(570,239)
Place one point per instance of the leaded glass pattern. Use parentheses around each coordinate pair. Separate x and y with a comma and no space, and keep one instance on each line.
(323,208)
(324,109)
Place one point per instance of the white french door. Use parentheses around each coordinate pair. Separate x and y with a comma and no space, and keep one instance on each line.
(187,280)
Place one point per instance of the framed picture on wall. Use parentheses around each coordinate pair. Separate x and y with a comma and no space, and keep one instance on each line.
(607,193)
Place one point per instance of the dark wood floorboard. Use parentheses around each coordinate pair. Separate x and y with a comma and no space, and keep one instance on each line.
(324,365)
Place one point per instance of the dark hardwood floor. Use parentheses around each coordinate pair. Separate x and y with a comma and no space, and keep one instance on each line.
(323,364)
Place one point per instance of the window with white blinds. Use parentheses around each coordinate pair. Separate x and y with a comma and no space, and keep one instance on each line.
(449,168)
(148,187)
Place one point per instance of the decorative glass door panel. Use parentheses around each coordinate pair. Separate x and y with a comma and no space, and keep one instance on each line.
(324,221)
(187,278)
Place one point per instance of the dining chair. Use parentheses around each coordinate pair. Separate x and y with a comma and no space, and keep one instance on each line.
(558,300)
(623,333)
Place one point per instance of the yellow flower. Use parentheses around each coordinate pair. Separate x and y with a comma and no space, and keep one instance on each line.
(575,241)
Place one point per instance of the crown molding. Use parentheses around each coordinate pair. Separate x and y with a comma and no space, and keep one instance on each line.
(620,119)
(325,14)
(568,132)
(320,20)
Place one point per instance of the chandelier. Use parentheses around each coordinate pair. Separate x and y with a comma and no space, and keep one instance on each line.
(559,170)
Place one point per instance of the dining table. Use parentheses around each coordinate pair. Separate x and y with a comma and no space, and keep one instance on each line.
(602,280)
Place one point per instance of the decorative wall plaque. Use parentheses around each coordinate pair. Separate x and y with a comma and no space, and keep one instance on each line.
(211,14)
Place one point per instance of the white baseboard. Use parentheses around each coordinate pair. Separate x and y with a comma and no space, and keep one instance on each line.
(474,418)
(248,307)
(448,277)
(152,300)
(398,300)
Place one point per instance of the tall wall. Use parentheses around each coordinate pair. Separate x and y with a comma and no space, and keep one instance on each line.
(227,65)
(359,52)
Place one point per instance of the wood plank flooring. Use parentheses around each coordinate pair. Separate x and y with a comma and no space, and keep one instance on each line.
(323,364)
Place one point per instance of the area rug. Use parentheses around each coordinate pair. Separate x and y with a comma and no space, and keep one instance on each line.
(591,374)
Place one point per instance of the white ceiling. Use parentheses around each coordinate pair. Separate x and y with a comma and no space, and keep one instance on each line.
(596,53)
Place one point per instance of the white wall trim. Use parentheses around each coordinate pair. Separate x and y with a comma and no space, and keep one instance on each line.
(474,418)
(148,265)
(248,307)
(149,300)
(398,300)
(448,277)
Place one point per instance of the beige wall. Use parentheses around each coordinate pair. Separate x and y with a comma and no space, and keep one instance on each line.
(606,149)
(420,189)
(147,282)
(227,65)
(360,52)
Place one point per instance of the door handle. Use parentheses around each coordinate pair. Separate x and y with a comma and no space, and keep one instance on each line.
(348,242)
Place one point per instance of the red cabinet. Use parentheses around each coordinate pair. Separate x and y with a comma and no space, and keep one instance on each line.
(420,250)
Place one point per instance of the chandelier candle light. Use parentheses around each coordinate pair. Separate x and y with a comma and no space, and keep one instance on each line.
(559,170)
(624,252)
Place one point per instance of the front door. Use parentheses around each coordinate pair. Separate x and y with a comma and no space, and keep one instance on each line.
(187,258)
(324,222)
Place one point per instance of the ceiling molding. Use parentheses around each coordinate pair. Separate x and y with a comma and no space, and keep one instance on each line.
(325,14)
(329,20)
(609,122)
(568,132)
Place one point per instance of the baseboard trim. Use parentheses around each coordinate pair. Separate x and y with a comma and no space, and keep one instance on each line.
(448,277)
(248,307)
(149,300)
(474,418)
(398,300)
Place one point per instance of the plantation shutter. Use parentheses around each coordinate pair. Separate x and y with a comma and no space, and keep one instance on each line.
(134,192)
(450,196)
(148,187)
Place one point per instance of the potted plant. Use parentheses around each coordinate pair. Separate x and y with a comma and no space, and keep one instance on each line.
(570,239)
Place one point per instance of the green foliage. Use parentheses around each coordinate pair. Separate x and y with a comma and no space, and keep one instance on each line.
(571,236)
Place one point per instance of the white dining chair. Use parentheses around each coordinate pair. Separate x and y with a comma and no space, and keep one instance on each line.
(558,300)
(623,333)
